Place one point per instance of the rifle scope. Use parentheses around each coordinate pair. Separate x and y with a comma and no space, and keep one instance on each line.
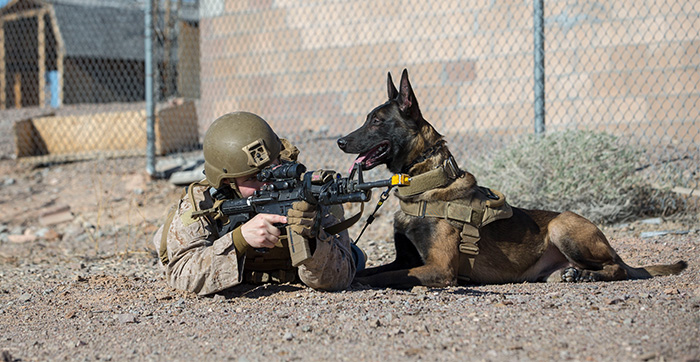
(285,170)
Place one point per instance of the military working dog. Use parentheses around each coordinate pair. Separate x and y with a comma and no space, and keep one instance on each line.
(450,230)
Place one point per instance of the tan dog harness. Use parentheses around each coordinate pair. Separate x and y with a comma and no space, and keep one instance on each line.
(484,206)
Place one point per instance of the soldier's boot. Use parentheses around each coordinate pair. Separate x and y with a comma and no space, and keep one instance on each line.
(359,256)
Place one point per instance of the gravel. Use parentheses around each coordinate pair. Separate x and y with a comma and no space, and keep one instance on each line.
(96,293)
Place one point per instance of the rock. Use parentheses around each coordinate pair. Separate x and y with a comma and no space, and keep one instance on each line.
(419,289)
(25,297)
(651,234)
(48,234)
(671,291)
(164,296)
(125,318)
(55,215)
(288,336)
(396,331)
(411,311)
(186,177)
(648,356)
(615,301)
(20,239)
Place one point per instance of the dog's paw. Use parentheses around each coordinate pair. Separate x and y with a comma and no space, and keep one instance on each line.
(570,275)
(573,275)
(587,276)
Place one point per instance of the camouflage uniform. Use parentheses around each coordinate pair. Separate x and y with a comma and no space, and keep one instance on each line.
(204,258)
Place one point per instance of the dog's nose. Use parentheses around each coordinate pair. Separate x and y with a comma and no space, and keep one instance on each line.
(342,143)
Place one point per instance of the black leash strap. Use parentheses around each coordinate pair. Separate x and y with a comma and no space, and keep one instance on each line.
(370,218)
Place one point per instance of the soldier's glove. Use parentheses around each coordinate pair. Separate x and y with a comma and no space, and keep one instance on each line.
(302,219)
(320,177)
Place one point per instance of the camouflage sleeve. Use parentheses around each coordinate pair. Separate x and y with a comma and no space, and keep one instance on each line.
(331,267)
(198,260)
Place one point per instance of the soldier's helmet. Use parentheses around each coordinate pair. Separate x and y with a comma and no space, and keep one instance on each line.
(238,144)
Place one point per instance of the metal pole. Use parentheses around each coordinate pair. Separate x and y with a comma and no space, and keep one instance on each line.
(539,66)
(150,105)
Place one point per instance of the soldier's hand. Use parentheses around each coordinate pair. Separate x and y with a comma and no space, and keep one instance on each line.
(302,219)
(261,232)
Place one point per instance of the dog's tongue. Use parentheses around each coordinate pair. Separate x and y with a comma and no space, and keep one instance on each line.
(360,159)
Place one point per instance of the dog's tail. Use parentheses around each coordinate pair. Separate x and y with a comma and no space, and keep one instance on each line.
(650,271)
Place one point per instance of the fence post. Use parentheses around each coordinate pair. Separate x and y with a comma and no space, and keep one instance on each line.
(539,66)
(150,105)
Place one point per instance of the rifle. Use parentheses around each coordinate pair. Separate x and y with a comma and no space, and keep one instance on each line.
(288,183)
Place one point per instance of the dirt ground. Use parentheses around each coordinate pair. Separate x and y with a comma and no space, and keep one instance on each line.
(90,288)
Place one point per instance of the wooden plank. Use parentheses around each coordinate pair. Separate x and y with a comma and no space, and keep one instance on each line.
(3,96)
(17,88)
(55,215)
(28,141)
(109,134)
(22,14)
(45,159)
(25,134)
(176,128)
(41,50)
(114,131)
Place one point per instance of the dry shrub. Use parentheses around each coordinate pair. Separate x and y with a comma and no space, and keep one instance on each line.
(590,173)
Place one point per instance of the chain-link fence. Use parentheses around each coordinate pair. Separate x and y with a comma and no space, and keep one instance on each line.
(73,73)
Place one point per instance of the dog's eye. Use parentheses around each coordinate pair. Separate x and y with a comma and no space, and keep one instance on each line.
(376,121)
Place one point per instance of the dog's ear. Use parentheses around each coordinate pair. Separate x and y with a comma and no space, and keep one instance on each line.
(390,87)
(407,100)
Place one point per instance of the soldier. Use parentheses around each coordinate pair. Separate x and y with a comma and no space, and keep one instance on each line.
(206,256)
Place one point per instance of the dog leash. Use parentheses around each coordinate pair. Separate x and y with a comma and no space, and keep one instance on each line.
(370,218)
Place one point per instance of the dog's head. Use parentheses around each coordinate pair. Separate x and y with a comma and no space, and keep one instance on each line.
(390,132)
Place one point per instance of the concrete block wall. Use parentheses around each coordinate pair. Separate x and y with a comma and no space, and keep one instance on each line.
(320,66)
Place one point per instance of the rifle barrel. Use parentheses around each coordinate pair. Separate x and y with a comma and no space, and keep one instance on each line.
(373,184)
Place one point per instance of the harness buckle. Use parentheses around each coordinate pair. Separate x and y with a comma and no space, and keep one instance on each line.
(451,169)
(468,248)
(470,239)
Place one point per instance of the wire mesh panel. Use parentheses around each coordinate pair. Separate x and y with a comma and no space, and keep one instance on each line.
(314,69)
(72,80)
(630,68)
